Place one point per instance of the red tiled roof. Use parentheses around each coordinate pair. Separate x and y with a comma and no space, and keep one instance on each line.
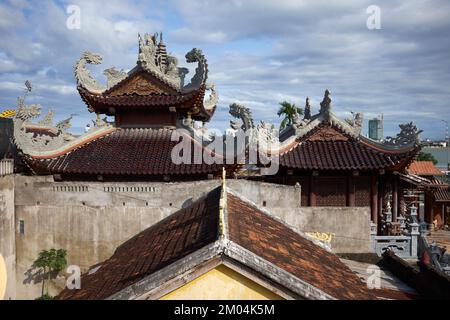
(424,168)
(189,229)
(272,240)
(171,239)
(143,151)
(340,155)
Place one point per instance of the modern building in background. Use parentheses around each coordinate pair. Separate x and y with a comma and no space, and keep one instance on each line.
(376,131)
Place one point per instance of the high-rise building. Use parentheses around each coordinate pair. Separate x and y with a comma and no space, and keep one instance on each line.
(376,131)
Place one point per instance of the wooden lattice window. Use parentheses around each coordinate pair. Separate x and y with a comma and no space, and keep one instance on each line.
(362,191)
(331,191)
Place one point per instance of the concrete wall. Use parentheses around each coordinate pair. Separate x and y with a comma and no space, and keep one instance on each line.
(350,226)
(7,233)
(90,219)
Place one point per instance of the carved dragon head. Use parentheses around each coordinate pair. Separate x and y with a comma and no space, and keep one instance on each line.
(409,134)
(243,113)
(92,58)
(194,55)
(28,112)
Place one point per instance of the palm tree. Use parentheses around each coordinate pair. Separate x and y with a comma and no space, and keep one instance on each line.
(288,110)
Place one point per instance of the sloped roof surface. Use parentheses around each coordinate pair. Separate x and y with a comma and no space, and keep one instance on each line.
(130,151)
(196,226)
(424,168)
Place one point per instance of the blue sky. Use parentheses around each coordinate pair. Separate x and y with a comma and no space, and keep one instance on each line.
(259,52)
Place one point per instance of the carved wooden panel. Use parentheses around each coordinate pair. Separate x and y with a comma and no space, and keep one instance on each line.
(140,85)
(328,134)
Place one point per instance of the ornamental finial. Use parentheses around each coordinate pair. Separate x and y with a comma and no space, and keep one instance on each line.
(307,109)
(325,105)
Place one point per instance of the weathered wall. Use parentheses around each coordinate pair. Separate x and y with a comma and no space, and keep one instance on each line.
(350,226)
(7,233)
(90,219)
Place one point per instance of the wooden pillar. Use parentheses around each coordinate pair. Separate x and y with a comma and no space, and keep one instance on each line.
(374,200)
(395,199)
(351,200)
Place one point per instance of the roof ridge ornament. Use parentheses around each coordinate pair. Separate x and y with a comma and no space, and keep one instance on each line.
(32,143)
(152,57)
(223,206)
(325,105)
(409,135)
(307,113)
(244,114)
(356,122)
(83,75)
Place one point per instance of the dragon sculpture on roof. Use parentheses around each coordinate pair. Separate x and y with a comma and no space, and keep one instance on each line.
(153,58)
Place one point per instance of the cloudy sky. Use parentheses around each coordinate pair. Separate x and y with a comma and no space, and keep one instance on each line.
(259,52)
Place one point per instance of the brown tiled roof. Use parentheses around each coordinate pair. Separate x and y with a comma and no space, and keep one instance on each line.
(329,147)
(339,155)
(138,101)
(171,239)
(194,227)
(389,294)
(191,101)
(130,151)
(272,240)
(442,194)
(424,168)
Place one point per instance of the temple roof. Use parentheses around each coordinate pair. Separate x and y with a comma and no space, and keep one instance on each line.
(191,103)
(156,80)
(223,225)
(328,147)
(442,193)
(424,168)
(325,142)
(119,151)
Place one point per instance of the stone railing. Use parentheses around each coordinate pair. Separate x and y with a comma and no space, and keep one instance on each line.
(404,243)
(6,167)
(432,254)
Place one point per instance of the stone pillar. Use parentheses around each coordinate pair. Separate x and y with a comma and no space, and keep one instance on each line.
(414,231)
(373,234)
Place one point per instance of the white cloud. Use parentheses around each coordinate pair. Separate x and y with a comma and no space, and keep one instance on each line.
(259,52)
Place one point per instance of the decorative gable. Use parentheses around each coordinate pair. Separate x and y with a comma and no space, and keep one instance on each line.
(327,133)
(141,84)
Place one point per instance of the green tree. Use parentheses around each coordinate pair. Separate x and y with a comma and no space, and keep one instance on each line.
(288,111)
(423,156)
(49,262)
